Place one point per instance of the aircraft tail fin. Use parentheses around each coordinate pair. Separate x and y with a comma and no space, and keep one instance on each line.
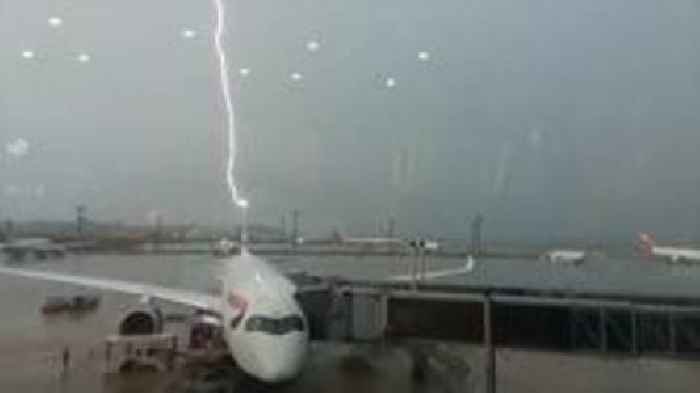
(337,235)
(646,243)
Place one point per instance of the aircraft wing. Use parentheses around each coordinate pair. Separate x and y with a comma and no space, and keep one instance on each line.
(433,274)
(188,298)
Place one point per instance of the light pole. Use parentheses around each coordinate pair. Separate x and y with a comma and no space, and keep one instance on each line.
(243,205)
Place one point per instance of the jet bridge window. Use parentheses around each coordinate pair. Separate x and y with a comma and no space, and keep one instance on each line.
(275,326)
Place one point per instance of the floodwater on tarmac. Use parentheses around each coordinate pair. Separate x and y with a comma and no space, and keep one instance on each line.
(31,344)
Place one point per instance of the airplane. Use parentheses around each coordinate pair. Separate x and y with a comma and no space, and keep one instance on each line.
(423,244)
(29,242)
(41,247)
(263,325)
(340,238)
(673,254)
(565,256)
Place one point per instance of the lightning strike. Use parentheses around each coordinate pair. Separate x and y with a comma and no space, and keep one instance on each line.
(226,92)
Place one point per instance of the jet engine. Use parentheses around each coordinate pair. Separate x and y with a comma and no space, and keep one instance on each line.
(142,319)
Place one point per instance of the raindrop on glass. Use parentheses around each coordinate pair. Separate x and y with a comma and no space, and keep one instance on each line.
(84,58)
(188,33)
(313,46)
(55,21)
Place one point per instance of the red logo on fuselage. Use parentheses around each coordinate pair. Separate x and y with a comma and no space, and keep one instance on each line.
(238,304)
(236,301)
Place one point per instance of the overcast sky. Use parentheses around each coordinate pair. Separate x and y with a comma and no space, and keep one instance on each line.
(553,118)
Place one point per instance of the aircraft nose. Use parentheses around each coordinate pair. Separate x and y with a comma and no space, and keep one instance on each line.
(284,364)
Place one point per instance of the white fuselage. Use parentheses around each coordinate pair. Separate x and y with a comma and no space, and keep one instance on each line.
(32,244)
(263,324)
(372,240)
(677,254)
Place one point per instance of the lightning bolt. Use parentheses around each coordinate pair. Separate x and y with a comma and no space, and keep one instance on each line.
(226,92)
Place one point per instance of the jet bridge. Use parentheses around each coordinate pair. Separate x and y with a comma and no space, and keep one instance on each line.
(547,320)
(564,321)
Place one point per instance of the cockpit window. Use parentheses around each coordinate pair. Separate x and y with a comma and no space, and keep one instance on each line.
(276,326)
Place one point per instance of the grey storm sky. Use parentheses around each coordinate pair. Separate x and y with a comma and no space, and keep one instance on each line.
(553,118)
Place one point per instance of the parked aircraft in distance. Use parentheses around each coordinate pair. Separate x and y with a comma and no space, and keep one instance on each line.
(673,254)
(41,248)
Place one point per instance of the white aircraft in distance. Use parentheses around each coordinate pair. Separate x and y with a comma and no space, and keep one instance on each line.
(565,256)
(424,244)
(673,254)
(371,240)
(337,236)
(38,246)
(430,245)
(263,325)
(29,242)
